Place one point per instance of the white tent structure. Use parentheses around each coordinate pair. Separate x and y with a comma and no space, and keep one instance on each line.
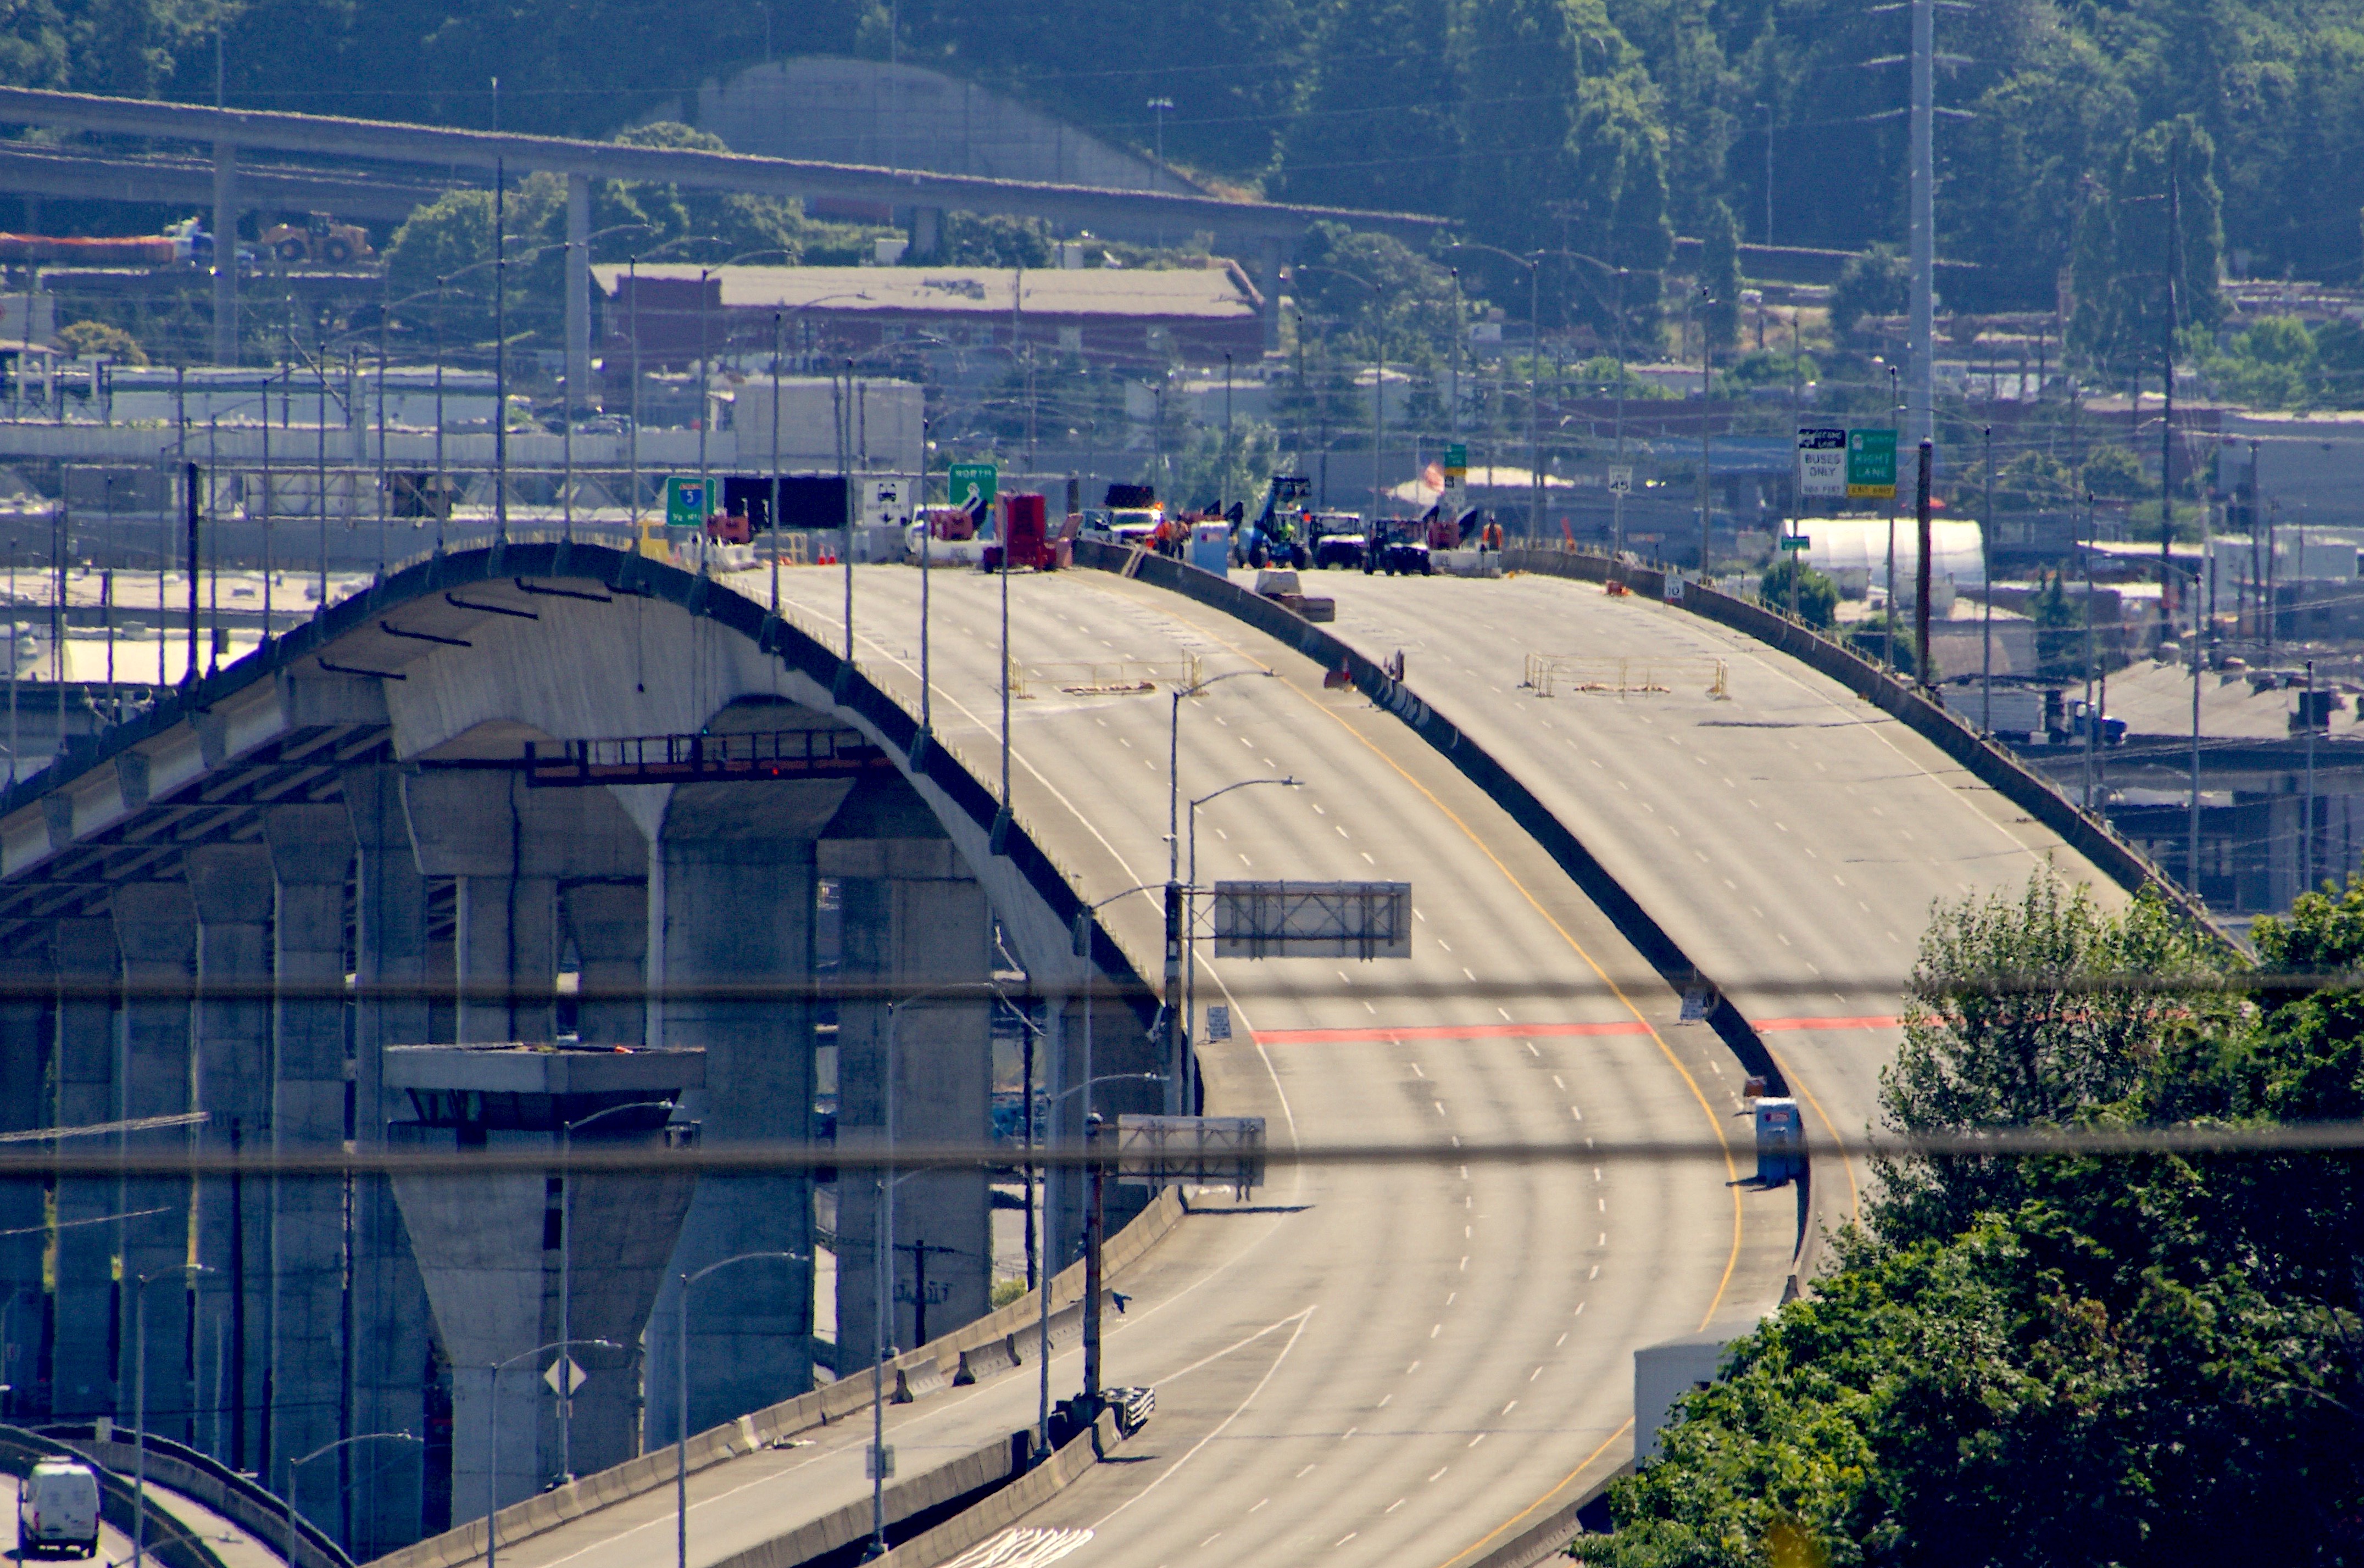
(1854,550)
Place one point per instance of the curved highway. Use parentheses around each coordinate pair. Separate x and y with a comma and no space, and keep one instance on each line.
(1792,838)
(1402,1362)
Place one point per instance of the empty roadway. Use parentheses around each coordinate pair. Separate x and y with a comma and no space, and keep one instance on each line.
(1792,838)
(1371,1364)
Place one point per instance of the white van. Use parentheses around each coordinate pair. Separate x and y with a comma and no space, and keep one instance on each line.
(56,1510)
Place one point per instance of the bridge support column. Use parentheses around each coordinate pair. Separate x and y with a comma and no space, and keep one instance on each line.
(582,393)
(927,231)
(392,1344)
(225,253)
(156,930)
(509,846)
(732,896)
(87,1299)
(489,1251)
(913,917)
(1267,283)
(608,923)
(23,1049)
(232,887)
(311,859)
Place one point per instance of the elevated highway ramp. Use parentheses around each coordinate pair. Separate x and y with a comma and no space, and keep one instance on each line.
(1375,1363)
(1793,838)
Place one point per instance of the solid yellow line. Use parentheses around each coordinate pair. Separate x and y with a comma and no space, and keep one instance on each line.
(1854,1198)
(1732,1261)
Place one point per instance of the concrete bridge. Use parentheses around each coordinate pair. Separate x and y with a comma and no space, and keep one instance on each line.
(350,802)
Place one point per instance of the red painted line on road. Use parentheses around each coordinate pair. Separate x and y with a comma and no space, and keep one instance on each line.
(1767,1026)
(1445,1031)
(1381,1034)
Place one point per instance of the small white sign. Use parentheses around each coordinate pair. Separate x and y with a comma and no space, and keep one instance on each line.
(1218,1022)
(575,1374)
(1674,588)
(885,507)
(1621,479)
(878,1462)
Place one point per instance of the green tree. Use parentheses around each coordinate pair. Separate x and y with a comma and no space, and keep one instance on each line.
(1378,128)
(2035,481)
(2114,473)
(88,340)
(1818,596)
(2148,251)
(1720,276)
(2060,629)
(1874,284)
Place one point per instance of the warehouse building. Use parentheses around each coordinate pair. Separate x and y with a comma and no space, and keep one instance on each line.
(669,317)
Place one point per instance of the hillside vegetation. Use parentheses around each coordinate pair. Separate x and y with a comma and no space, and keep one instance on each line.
(1599,126)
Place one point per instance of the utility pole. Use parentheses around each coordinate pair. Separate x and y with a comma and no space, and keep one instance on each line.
(2166,376)
(1919,422)
(1707,395)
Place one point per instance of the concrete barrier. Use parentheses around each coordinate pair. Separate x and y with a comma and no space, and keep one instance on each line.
(978,1471)
(1633,922)
(1011,1503)
(1004,1332)
(169,1543)
(202,1478)
(1990,762)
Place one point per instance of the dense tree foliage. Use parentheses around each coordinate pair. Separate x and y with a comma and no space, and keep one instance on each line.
(2074,1359)
(1593,126)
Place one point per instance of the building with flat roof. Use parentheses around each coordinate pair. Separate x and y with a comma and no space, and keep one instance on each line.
(677,314)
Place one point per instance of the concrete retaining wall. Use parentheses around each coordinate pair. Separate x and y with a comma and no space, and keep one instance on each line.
(21,1450)
(204,1479)
(1000,1340)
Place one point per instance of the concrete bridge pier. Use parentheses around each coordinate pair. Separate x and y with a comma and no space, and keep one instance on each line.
(914,916)
(489,1249)
(156,932)
(609,924)
(731,898)
(23,1049)
(392,1341)
(232,887)
(311,861)
(87,1300)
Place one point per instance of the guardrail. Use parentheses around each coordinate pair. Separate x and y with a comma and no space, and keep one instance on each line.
(1991,763)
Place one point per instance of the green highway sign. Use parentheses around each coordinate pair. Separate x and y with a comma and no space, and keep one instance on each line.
(974,486)
(1797,541)
(1871,465)
(686,505)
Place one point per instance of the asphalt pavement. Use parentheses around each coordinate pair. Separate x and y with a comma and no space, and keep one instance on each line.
(1391,1363)
(1794,840)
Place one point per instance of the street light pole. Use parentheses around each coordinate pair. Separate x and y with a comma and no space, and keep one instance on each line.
(492,1432)
(566,1269)
(289,1500)
(1177,1033)
(681,1395)
(1190,892)
(139,1414)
